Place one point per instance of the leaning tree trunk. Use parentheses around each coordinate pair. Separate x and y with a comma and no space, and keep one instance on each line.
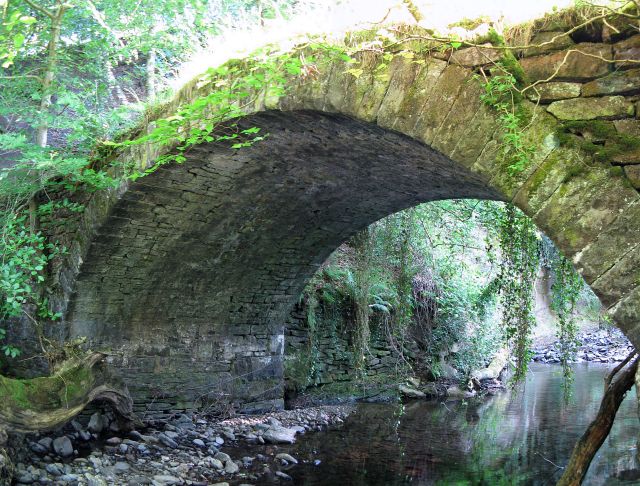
(45,403)
(48,402)
(599,429)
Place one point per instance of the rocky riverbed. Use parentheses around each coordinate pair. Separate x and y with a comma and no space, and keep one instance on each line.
(600,346)
(186,450)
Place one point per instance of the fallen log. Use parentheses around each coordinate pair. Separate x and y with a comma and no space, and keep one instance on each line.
(599,428)
(44,403)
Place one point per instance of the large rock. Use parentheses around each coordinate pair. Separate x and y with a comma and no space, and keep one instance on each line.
(456,392)
(554,91)
(497,364)
(475,56)
(620,82)
(633,174)
(591,108)
(279,435)
(577,66)
(627,49)
(628,127)
(96,423)
(410,392)
(63,446)
(560,42)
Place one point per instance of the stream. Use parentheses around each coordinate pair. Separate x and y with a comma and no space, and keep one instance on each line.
(518,437)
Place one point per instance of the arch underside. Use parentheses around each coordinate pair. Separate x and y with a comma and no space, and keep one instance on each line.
(192,276)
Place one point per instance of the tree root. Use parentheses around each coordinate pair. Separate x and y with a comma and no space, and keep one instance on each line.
(49,402)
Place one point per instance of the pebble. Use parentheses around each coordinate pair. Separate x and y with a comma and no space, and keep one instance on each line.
(603,346)
(286,457)
(183,451)
(63,446)
(199,443)
(121,467)
(231,467)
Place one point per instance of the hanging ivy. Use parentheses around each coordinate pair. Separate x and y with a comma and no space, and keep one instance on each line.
(565,292)
(519,245)
(362,244)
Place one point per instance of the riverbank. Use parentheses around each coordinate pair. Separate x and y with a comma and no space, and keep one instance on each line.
(186,450)
(599,346)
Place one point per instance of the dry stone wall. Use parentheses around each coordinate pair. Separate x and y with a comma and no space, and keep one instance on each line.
(325,355)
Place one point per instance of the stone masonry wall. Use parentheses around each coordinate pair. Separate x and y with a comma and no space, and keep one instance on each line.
(333,356)
(188,275)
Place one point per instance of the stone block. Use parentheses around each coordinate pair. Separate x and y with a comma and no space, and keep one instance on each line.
(560,42)
(591,108)
(631,157)
(475,56)
(626,314)
(574,64)
(633,174)
(628,127)
(628,49)
(620,82)
(617,239)
(554,91)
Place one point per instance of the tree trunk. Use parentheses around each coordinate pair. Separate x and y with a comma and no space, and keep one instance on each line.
(49,402)
(598,430)
(49,74)
(151,74)
(114,88)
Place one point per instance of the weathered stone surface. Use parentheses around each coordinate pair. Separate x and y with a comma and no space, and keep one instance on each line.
(475,56)
(628,49)
(620,82)
(416,97)
(628,127)
(445,93)
(621,237)
(555,41)
(629,157)
(583,206)
(553,91)
(395,102)
(633,174)
(591,108)
(627,315)
(617,282)
(570,64)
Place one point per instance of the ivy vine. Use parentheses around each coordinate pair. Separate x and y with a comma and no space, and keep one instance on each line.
(519,264)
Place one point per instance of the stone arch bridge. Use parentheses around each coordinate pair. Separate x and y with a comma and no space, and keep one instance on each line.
(188,274)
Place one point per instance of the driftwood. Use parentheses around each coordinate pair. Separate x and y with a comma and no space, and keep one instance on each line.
(600,427)
(45,403)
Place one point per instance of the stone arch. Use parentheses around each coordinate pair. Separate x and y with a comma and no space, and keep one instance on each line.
(193,268)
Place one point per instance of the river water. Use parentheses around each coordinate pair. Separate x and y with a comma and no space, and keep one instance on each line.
(518,437)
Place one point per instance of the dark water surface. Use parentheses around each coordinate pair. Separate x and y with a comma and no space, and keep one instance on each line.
(512,438)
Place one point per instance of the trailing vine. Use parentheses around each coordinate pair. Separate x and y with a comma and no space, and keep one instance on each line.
(565,291)
(501,95)
(362,244)
(519,264)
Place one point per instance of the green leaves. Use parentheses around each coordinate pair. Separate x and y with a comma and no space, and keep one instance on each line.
(12,35)
(500,93)
(519,244)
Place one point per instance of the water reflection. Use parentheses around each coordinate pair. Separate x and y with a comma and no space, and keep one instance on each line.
(514,438)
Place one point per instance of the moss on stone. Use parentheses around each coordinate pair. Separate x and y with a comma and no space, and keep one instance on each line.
(602,140)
